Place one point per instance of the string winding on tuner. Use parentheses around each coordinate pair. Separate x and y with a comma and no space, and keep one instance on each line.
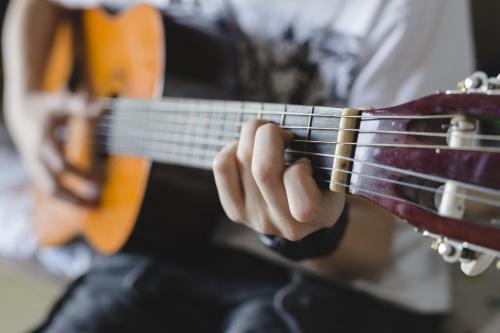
(478,82)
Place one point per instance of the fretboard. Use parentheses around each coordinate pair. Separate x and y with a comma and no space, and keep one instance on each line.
(190,132)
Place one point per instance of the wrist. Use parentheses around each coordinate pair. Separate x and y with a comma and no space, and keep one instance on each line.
(320,243)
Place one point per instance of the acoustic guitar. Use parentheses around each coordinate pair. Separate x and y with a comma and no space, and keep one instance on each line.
(434,162)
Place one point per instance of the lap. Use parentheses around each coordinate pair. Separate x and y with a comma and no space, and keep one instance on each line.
(218,291)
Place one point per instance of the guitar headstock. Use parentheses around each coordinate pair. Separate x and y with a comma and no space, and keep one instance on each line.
(435,162)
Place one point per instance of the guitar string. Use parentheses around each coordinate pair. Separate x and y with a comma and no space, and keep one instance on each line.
(388,197)
(214,106)
(484,137)
(246,110)
(211,122)
(206,163)
(223,143)
(208,133)
(471,197)
(198,153)
(211,153)
(190,162)
(236,136)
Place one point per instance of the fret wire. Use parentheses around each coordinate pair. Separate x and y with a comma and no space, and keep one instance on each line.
(200,123)
(213,124)
(282,120)
(222,126)
(240,121)
(202,126)
(149,113)
(308,133)
(195,123)
(175,148)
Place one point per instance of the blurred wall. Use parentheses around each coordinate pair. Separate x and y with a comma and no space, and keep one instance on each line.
(3,7)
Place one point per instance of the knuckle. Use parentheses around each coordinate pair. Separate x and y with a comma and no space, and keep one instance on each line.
(264,226)
(222,163)
(268,129)
(307,212)
(292,234)
(251,126)
(244,156)
(263,171)
(235,215)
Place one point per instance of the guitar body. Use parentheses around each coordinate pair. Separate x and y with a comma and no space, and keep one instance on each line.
(124,56)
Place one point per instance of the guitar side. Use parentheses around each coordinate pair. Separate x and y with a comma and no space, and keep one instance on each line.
(124,56)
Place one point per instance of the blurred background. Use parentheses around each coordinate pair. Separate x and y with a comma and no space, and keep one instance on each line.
(32,278)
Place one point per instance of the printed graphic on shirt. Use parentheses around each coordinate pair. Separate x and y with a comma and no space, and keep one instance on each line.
(317,71)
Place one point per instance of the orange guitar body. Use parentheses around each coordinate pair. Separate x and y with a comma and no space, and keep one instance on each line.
(123,55)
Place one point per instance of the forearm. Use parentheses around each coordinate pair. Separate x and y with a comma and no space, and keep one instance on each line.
(366,247)
(28,29)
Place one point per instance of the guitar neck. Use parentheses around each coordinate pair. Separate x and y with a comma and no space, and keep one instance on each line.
(190,132)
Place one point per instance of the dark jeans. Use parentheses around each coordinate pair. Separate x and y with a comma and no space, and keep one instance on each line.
(219,290)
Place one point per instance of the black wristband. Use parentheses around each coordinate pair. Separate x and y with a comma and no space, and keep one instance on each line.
(318,244)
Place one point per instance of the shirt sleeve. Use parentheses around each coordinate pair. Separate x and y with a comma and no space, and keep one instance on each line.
(414,48)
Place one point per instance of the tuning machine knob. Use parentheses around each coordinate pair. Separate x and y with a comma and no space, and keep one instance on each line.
(478,82)
(472,260)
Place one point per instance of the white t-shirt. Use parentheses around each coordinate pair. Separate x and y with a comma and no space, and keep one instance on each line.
(365,53)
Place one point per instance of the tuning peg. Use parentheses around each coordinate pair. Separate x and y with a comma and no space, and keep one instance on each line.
(446,250)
